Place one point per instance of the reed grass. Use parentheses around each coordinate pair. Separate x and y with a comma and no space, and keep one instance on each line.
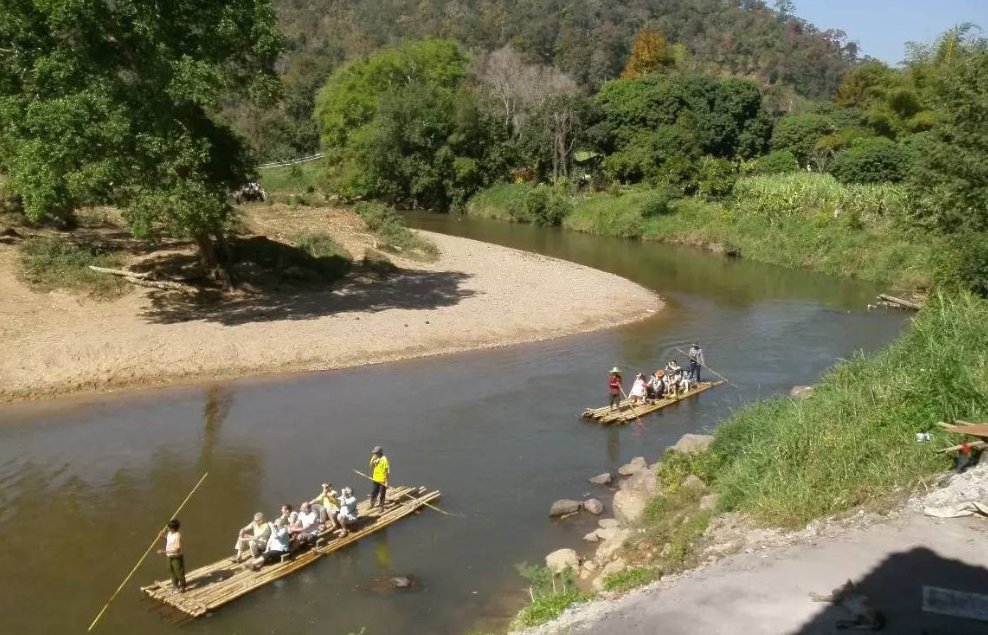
(49,263)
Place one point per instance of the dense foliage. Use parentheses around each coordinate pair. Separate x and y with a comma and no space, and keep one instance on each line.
(585,39)
(111,103)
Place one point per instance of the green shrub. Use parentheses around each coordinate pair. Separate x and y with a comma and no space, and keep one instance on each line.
(53,263)
(716,177)
(547,206)
(659,203)
(505,201)
(965,264)
(871,160)
(320,245)
(776,162)
(389,227)
(800,194)
(799,134)
(630,578)
(680,174)
(551,594)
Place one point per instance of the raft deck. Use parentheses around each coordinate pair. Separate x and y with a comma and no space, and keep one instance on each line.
(223,581)
(624,412)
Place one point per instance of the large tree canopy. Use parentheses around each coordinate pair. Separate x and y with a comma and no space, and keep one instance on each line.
(111,102)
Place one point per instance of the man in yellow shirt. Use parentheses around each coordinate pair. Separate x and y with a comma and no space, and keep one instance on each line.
(380,470)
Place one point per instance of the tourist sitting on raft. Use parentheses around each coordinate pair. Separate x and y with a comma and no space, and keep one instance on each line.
(638,390)
(278,545)
(253,538)
(657,385)
(303,527)
(324,504)
(615,387)
(347,516)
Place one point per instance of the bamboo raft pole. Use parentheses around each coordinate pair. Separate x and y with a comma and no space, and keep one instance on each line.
(214,585)
(626,412)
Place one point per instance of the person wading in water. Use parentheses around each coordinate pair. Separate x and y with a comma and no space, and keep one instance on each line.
(380,470)
(614,386)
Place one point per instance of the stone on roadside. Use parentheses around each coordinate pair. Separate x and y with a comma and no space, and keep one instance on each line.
(609,548)
(608,523)
(591,537)
(633,466)
(562,559)
(563,507)
(693,443)
(694,482)
(709,502)
(617,566)
(593,506)
(801,392)
(601,479)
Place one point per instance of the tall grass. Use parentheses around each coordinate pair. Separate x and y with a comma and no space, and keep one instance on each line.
(54,263)
(505,201)
(852,442)
(551,595)
(392,233)
(298,178)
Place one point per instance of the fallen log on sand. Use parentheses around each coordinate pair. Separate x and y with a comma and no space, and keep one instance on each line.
(144,280)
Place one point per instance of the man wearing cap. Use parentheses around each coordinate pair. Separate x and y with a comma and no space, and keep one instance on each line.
(696,362)
(380,470)
(254,538)
(614,387)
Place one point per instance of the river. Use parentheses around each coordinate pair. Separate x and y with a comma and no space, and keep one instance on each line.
(85,483)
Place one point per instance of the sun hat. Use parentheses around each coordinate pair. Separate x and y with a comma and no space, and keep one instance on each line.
(616,371)
(660,373)
(377,450)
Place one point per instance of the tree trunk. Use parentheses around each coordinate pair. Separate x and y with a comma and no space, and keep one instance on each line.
(215,268)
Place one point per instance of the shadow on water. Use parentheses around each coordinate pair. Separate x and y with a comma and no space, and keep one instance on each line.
(895,589)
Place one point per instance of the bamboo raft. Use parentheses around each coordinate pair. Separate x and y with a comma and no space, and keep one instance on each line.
(221,582)
(625,413)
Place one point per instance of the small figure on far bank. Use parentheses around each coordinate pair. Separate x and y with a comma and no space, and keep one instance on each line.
(696,362)
(173,552)
(614,387)
(380,470)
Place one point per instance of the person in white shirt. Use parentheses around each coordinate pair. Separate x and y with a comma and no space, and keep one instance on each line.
(638,389)
(347,515)
(173,551)
(278,545)
(305,526)
(253,538)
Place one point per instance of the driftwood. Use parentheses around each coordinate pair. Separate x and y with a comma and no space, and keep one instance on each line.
(899,302)
(144,280)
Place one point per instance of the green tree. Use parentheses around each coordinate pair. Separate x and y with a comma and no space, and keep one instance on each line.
(112,102)
(799,134)
(870,160)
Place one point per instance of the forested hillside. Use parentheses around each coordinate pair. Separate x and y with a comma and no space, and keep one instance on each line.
(589,40)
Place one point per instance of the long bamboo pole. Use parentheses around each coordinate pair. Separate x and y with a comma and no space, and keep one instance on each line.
(631,405)
(710,369)
(444,513)
(141,561)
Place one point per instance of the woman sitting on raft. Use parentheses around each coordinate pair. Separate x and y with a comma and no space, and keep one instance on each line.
(638,389)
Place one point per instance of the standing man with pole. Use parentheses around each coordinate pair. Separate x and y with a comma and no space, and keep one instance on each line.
(380,471)
(696,362)
(173,551)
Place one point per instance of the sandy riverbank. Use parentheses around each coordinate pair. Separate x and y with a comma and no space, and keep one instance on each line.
(474,296)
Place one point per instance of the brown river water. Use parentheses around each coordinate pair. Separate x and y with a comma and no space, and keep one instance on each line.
(85,483)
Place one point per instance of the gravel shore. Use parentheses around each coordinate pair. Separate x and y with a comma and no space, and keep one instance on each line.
(474,296)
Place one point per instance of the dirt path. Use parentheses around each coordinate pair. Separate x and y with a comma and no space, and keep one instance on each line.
(768,592)
(475,296)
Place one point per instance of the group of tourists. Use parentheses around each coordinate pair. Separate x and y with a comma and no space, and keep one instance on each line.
(671,381)
(262,542)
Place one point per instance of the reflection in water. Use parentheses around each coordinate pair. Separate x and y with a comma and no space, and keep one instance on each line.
(82,490)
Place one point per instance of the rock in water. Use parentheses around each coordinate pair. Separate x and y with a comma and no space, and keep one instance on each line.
(633,466)
(601,479)
(591,537)
(629,505)
(593,506)
(690,443)
(562,559)
(401,582)
(563,507)
(608,523)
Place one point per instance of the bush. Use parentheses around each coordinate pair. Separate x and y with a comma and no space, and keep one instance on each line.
(547,206)
(658,204)
(53,263)
(799,134)
(776,162)
(965,265)
(551,594)
(716,177)
(505,201)
(781,197)
(680,174)
(389,227)
(871,160)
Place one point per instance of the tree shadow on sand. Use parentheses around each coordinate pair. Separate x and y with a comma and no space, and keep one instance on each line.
(402,289)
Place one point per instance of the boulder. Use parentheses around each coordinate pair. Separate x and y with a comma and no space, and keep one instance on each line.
(633,466)
(592,537)
(564,506)
(589,565)
(562,559)
(593,506)
(694,482)
(611,547)
(608,533)
(709,502)
(608,523)
(801,392)
(585,575)
(629,505)
(601,479)
(616,566)
(690,443)
(643,481)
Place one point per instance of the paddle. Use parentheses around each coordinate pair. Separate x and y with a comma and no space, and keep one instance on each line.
(711,370)
(139,562)
(444,513)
